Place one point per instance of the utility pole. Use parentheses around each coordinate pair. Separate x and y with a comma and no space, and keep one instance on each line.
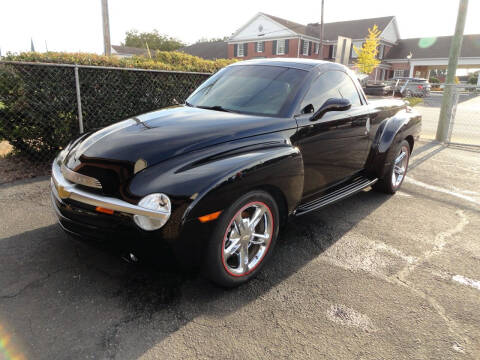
(107,48)
(321,34)
(449,91)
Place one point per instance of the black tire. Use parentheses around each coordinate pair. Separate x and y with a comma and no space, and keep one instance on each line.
(217,268)
(386,184)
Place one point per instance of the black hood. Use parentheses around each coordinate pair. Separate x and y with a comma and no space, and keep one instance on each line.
(163,134)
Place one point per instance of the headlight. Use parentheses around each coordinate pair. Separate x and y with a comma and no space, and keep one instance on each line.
(153,202)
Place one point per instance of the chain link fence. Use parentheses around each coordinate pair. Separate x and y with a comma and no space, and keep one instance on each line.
(464,118)
(464,126)
(44,106)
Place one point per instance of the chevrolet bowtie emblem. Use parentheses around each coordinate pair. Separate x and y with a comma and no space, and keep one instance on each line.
(62,192)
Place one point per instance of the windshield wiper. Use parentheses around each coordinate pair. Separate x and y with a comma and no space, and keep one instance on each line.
(215,107)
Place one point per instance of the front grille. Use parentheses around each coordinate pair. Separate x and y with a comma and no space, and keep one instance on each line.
(80,179)
(108,178)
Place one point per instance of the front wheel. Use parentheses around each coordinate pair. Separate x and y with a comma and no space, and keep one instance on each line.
(243,239)
(396,171)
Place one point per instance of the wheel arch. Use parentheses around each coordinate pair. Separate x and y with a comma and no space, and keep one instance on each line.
(404,125)
(277,171)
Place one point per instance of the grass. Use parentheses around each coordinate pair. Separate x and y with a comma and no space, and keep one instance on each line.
(414,101)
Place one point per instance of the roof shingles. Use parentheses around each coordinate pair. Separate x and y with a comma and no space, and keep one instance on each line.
(433,48)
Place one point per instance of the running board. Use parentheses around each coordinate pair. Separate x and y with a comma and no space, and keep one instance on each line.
(349,189)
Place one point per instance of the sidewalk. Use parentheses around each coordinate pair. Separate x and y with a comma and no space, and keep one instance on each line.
(466,126)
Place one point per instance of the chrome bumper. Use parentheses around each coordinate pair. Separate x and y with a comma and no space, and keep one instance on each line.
(63,189)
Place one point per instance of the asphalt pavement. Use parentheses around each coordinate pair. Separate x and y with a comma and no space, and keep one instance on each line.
(371,277)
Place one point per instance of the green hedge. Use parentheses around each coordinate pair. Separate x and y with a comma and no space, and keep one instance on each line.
(38,104)
(161,60)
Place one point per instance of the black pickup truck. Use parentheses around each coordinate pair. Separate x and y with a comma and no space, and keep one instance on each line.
(259,142)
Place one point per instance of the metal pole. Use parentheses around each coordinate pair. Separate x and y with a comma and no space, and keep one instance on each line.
(321,34)
(79,100)
(448,92)
(107,48)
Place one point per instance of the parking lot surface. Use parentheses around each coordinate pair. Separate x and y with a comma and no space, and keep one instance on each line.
(372,277)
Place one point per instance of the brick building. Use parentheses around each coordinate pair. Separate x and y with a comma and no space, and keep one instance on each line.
(266,36)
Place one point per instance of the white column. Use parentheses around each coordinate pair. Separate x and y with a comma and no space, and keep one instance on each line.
(411,70)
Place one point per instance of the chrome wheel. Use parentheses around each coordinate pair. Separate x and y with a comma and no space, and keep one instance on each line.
(247,239)
(400,167)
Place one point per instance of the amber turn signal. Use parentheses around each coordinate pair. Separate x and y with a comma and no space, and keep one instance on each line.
(209,217)
(103,210)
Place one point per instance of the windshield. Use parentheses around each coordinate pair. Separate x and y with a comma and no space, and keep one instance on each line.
(251,89)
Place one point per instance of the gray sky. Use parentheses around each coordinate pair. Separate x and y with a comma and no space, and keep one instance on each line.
(75,25)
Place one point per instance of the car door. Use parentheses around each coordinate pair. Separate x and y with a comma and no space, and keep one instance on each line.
(335,146)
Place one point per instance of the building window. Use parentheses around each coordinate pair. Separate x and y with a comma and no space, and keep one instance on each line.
(281,47)
(316,48)
(357,44)
(240,50)
(260,47)
(398,73)
(306,44)
(381,49)
(333,51)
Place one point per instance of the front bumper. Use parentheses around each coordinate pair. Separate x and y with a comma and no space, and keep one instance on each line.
(76,212)
(67,190)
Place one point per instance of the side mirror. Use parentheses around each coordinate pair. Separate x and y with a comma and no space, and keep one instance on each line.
(332,104)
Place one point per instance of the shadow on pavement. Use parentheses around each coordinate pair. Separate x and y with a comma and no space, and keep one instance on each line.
(62,297)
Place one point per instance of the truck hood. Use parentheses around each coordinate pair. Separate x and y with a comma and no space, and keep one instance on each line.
(163,134)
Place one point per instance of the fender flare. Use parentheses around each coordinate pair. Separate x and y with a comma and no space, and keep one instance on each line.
(389,133)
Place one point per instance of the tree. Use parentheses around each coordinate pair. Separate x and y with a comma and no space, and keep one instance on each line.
(205,39)
(473,79)
(154,39)
(367,55)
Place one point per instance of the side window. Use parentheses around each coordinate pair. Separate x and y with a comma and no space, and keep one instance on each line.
(348,90)
(332,84)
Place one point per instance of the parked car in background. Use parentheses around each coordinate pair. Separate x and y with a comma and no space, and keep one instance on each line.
(259,142)
(409,86)
(378,89)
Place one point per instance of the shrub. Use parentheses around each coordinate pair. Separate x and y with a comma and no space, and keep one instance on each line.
(161,60)
(434,80)
(473,79)
(414,101)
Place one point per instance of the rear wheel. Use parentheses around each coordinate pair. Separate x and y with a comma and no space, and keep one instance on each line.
(396,171)
(243,239)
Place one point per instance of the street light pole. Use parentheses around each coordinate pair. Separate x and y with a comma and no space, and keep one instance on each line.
(448,92)
(321,33)
(107,48)
(409,57)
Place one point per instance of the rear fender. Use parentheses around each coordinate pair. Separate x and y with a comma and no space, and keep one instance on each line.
(389,134)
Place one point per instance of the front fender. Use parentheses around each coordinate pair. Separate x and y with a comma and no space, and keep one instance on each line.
(210,180)
(279,168)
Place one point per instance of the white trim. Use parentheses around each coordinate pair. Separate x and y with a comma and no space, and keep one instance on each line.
(262,39)
(260,14)
(394,20)
(474,61)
